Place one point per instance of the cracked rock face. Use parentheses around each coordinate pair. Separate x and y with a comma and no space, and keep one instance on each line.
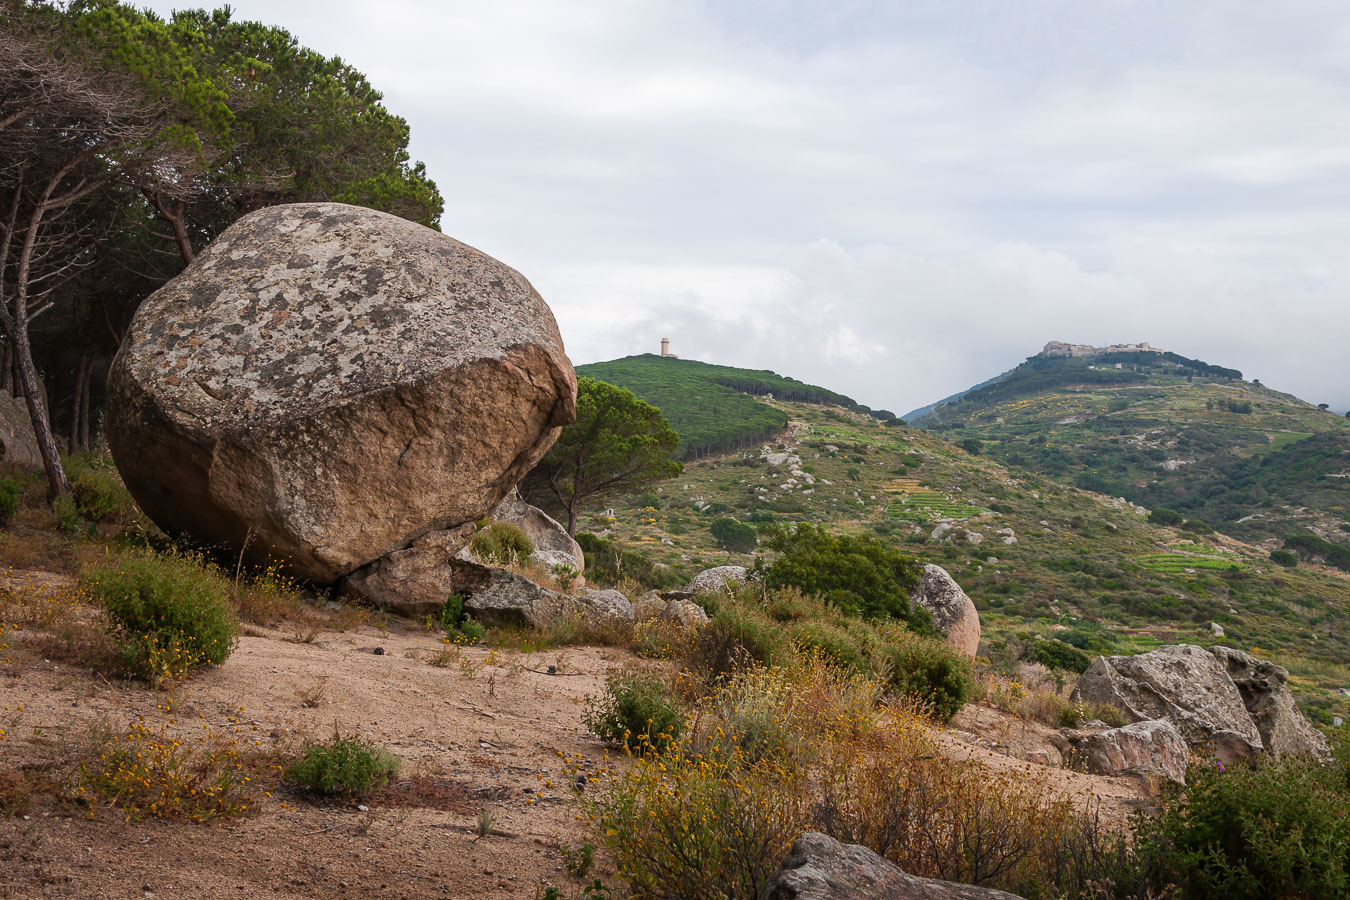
(333,383)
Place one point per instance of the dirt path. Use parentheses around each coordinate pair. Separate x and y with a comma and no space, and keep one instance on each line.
(491,728)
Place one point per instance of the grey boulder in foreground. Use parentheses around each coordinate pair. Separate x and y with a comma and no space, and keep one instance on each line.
(328,383)
(820,868)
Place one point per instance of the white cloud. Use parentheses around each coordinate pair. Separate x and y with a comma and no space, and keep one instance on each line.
(894,200)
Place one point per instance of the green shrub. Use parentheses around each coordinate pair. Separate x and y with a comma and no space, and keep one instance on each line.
(930,672)
(832,643)
(350,766)
(11,494)
(636,710)
(1284,558)
(1164,516)
(973,446)
(1059,655)
(460,628)
(1195,526)
(65,517)
(1276,830)
(502,542)
(169,613)
(737,636)
(732,535)
(859,574)
(98,495)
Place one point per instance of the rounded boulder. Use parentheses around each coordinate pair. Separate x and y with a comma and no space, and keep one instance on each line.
(327,383)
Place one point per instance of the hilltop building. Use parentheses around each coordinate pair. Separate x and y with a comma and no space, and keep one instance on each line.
(1059,348)
(665,349)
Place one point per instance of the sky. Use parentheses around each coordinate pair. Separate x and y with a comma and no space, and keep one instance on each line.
(894,200)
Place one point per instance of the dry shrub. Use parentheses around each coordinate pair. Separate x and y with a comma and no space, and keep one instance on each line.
(269,596)
(660,639)
(774,751)
(938,817)
(150,772)
(58,618)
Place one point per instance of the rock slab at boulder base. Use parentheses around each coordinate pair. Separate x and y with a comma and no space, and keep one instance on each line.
(329,383)
(1152,749)
(953,611)
(820,868)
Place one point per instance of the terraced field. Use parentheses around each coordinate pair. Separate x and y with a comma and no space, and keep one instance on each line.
(915,503)
(1189,563)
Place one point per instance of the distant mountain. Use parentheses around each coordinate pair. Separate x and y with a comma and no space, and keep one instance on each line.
(713,408)
(1161,429)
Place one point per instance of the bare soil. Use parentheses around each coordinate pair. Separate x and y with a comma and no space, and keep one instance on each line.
(492,731)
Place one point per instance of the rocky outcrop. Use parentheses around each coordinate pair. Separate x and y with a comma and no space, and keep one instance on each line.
(953,611)
(326,384)
(552,544)
(18,445)
(820,868)
(1182,684)
(414,581)
(1149,749)
(717,579)
(1265,692)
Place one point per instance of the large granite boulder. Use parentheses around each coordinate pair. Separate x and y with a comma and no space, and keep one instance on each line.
(1182,684)
(552,544)
(18,444)
(716,580)
(1152,749)
(953,611)
(326,383)
(1265,692)
(820,868)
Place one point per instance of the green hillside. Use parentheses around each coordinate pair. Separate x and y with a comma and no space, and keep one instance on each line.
(1079,567)
(713,408)
(1164,430)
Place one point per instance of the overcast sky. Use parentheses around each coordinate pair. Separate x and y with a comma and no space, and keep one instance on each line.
(892,199)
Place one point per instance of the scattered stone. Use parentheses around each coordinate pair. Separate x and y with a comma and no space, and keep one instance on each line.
(327,383)
(609,603)
(1264,689)
(649,606)
(1153,748)
(717,579)
(820,868)
(1183,684)
(685,613)
(954,613)
(1216,629)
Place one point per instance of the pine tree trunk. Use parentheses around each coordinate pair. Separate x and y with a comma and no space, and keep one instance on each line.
(57,483)
(76,397)
(84,404)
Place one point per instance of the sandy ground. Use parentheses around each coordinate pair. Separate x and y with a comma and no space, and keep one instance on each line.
(494,731)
